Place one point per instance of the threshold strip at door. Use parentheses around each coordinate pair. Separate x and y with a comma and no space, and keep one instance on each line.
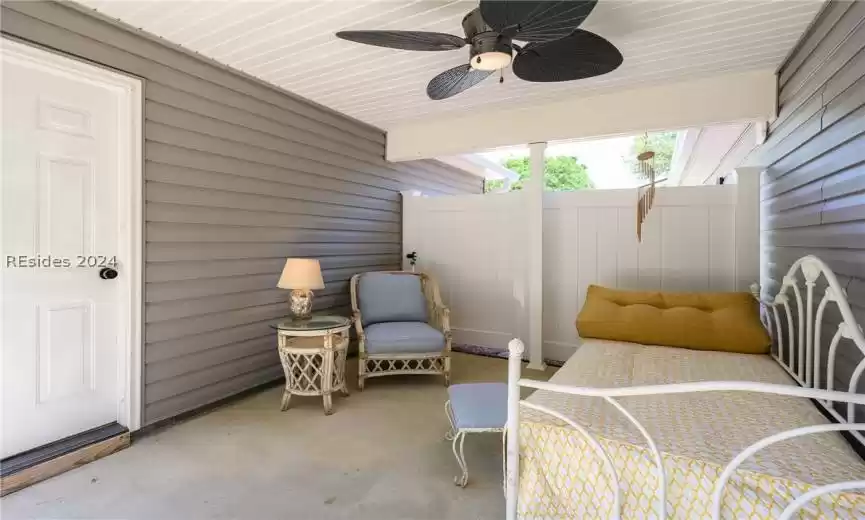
(31,466)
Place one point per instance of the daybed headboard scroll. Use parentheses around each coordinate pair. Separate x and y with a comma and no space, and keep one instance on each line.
(797,328)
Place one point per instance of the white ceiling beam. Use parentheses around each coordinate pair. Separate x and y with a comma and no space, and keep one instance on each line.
(748,96)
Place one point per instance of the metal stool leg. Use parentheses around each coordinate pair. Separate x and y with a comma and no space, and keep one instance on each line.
(463,479)
(453,431)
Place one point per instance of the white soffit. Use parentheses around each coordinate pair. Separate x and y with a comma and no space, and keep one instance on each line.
(715,152)
(291,44)
(479,165)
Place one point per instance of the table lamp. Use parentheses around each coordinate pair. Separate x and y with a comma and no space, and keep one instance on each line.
(301,275)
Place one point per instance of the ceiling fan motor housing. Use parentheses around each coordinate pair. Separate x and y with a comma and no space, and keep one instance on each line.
(482,38)
(474,24)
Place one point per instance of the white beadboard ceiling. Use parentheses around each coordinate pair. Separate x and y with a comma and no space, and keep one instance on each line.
(291,44)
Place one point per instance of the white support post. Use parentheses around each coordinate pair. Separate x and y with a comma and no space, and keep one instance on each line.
(512,429)
(747,219)
(535,278)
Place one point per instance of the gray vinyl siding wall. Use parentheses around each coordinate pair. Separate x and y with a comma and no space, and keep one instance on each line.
(238,176)
(813,191)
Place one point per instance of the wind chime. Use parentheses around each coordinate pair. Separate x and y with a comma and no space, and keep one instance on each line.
(644,168)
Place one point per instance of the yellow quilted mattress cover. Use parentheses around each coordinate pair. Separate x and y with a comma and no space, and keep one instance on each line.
(697,433)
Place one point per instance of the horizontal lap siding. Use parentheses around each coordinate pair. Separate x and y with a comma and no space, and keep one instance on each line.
(813,191)
(238,176)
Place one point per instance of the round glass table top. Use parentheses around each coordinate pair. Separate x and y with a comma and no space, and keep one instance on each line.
(317,322)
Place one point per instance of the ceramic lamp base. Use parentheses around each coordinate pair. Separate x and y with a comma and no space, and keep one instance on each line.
(300,304)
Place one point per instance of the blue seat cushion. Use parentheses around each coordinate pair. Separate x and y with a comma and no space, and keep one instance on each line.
(403,337)
(386,297)
(479,405)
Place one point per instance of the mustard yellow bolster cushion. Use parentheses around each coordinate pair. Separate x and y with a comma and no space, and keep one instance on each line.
(727,322)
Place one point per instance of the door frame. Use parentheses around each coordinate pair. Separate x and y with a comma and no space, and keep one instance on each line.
(130,90)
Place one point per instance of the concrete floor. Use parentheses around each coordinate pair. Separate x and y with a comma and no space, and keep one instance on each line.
(381,455)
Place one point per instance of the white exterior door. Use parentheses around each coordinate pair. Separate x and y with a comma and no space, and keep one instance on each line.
(68,152)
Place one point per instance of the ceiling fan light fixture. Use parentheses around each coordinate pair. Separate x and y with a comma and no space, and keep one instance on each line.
(489,50)
(493,60)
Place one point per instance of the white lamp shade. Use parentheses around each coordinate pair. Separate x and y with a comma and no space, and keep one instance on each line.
(301,273)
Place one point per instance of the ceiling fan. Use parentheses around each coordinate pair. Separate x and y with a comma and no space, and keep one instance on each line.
(556,49)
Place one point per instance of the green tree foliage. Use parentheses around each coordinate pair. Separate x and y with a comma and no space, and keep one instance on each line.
(662,143)
(563,173)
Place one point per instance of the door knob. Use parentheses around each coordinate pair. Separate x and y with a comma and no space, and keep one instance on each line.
(108,273)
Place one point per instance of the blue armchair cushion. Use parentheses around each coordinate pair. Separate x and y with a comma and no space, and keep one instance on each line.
(387,297)
(479,405)
(403,337)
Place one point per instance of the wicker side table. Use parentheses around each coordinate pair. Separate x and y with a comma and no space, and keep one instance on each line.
(313,357)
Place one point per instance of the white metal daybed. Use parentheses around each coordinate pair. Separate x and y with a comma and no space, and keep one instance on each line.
(659,432)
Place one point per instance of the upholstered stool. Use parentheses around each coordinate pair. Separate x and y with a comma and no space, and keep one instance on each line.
(472,408)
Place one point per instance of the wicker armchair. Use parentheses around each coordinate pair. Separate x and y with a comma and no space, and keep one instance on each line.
(402,325)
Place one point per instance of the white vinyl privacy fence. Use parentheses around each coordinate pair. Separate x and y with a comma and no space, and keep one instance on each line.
(695,239)
(472,245)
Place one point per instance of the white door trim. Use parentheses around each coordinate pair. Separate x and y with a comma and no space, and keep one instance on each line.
(130,90)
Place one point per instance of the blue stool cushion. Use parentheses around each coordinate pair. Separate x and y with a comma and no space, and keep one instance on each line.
(403,337)
(479,405)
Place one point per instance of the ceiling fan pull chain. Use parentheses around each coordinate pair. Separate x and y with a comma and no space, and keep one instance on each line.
(501,76)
